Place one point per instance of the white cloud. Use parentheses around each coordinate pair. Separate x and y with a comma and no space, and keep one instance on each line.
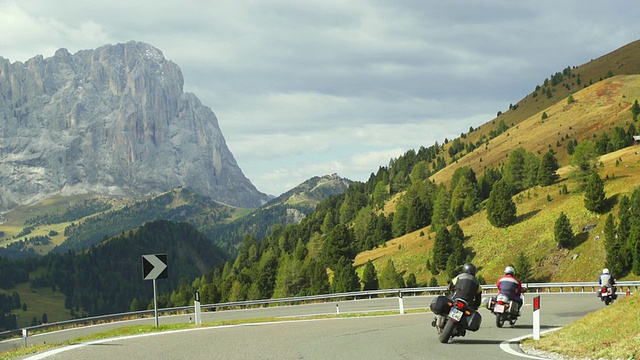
(305,88)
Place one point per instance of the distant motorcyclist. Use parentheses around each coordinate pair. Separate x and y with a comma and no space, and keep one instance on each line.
(510,285)
(607,280)
(467,287)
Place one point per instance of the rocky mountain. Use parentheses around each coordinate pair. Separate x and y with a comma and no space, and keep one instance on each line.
(113,120)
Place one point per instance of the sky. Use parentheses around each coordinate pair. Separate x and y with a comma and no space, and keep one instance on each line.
(307,88)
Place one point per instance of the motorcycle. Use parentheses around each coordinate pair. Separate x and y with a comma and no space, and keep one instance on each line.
(504,309)
(453,318)
(607,295)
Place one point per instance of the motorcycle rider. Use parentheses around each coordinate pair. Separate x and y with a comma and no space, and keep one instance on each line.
(511,286)
(607,280)
(464,286)
(467,286)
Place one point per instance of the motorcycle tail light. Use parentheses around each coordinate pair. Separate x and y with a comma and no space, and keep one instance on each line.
(500,302)
(460,304)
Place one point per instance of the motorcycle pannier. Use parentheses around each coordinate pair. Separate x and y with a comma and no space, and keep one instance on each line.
(473,321)
(439,305)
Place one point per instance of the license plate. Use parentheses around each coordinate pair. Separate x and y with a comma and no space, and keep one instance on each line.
(455,314)
(498,309)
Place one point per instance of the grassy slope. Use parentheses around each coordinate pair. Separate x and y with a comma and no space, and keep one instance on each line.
(597,108)
(597,335)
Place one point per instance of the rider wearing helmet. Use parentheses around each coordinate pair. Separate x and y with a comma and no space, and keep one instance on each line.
(466,286)
(510,285)
(607,279)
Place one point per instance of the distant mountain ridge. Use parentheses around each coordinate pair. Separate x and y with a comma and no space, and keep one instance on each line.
(113,120)
(313,191)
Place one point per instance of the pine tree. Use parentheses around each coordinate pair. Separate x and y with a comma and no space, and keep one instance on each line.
(501,210)
(523,268)
(440,207)
(318,278)
(623,230)
(369,277)
(442,247)
(594,197)
(612,247)
(562,231)
(411,282)
(547,171)
(389,277)
(635,110)
(514,171)
(345,278)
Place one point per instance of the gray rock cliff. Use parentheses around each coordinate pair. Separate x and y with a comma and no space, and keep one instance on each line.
(113,120)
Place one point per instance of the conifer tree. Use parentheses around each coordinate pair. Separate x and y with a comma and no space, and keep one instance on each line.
(612,247)
(501,210)
(411,282)
(514,171)
(369,277)
(523,268)
(622,230)
(389,277)
(440,207)
(442,248)
(548,166)
(594,197)
(562,231)
(345,278)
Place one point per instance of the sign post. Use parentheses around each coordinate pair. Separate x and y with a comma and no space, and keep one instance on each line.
(154,267)
(536,318)
(401,302)
(197,308)
(25,333)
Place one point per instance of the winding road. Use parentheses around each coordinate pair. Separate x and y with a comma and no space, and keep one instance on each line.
(406,336)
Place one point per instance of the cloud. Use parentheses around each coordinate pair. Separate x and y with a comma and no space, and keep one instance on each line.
(305,88)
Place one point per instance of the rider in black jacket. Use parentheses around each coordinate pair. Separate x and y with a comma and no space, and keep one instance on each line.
(466,286)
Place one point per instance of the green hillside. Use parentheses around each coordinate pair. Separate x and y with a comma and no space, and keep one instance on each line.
(595,110)
(431,196)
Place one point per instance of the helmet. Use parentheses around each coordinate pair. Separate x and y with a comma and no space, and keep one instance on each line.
(509,270)
(605,271)
(469,268)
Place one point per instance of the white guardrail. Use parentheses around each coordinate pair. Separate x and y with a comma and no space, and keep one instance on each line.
(568,287)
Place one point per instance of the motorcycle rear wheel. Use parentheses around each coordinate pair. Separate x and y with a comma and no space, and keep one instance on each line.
(499,320)
(445,335)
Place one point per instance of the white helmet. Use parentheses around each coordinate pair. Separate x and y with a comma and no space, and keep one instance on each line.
(605,271)
(509,270)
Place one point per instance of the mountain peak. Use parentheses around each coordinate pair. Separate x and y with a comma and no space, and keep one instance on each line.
(110,120)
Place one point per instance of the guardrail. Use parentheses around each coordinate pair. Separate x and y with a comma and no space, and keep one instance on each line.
(568,287)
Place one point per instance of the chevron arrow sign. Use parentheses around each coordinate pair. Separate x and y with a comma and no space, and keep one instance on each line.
(154,267)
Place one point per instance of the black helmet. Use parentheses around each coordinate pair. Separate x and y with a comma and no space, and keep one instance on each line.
(469,268)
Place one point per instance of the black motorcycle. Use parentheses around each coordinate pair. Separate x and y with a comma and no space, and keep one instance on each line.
(453,318)
(607,294)
(504,309)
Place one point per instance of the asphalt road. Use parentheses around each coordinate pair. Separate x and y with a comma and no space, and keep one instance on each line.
(408,336)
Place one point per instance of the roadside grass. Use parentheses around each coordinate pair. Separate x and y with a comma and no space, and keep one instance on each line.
(146,329)
(610,333)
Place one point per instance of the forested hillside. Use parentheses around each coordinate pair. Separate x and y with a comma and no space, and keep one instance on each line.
(108,278)
(520,189)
